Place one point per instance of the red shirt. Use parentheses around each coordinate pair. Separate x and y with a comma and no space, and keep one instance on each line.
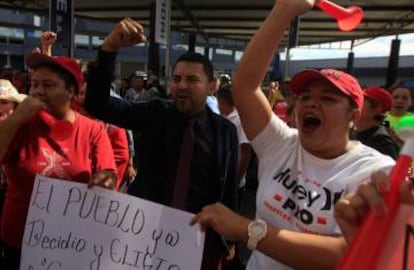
(119,142)
(86,151)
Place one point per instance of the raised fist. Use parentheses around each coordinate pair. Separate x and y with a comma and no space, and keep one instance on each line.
(126,33)
(48,38)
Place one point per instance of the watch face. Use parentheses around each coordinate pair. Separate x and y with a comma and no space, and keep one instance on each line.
(258,229)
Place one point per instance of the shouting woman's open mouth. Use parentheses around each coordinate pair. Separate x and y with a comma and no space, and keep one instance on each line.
(310,122)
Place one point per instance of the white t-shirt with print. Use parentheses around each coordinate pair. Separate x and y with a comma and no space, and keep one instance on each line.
(297,191)
(235,119)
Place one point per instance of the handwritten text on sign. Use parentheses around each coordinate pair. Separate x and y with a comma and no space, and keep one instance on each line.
(71,227)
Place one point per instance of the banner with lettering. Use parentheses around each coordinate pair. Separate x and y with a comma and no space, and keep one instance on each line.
(61,21)
(162,21)
(71,227)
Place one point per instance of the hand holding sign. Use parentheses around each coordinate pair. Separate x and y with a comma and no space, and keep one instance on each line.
(374,233)
(103,178)
(224,221)
(71,227)
(351,209)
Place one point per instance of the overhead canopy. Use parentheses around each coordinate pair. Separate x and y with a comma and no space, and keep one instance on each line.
(239,19)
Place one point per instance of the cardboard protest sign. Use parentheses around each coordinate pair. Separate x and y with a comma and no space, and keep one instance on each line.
(71,227)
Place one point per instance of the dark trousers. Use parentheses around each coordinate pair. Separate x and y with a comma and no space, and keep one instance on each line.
(213,251)
(247,209)
(9,257)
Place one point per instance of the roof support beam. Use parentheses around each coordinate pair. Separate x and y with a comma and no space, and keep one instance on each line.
(189,15)
(394,27)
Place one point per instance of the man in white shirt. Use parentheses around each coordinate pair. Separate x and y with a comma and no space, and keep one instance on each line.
(227,109)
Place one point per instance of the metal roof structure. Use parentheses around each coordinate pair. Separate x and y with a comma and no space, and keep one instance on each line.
(239,19)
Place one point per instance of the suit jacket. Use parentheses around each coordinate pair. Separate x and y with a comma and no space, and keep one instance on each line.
(160,126)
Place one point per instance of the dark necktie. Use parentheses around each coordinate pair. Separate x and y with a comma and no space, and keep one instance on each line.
(213,245)
(182,179)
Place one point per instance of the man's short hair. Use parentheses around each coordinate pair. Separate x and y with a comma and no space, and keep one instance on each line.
(200,59)
(224,93)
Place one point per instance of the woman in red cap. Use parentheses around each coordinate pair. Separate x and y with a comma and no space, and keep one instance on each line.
(82,153)
(117,136)
(304,171)
(370,129)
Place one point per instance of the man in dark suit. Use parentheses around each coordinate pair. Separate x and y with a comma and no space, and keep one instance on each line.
(187,155)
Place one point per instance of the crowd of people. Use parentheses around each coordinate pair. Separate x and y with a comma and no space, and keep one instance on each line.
(322,154)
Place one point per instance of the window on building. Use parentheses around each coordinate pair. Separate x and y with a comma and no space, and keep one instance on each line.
(82,40)
(238,55)
(224,52)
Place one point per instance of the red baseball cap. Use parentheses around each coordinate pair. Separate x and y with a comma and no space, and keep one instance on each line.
(344,82)
(68,64)
(379,95)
